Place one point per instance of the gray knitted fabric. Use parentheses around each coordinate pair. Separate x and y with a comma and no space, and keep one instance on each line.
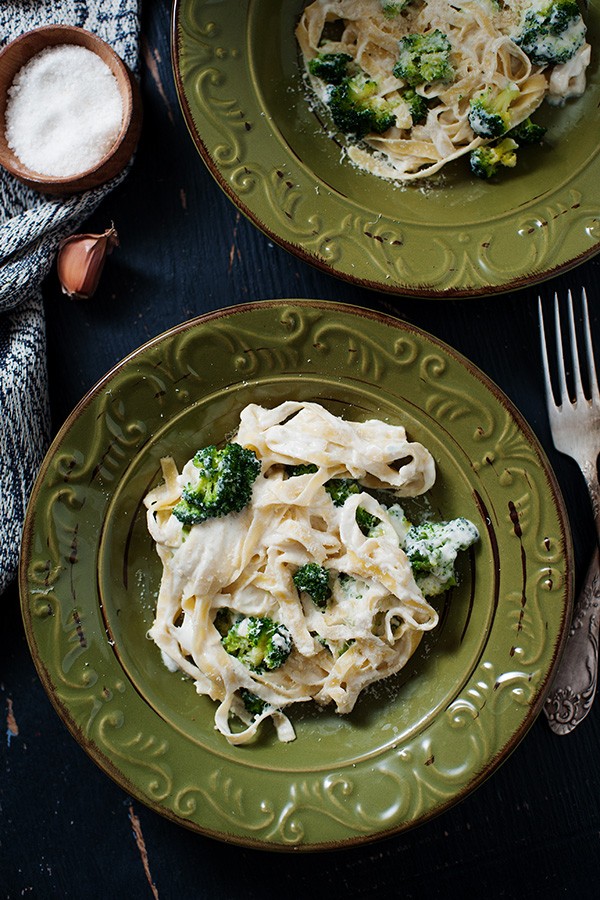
(31,225)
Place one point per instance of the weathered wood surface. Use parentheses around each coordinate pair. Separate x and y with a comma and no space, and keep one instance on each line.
(66,830)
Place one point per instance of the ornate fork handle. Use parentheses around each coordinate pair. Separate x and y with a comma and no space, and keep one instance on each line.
(572,693)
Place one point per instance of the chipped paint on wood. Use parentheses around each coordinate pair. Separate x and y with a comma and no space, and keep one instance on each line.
(234,250)
(141,844)
(12,729)
(152,59)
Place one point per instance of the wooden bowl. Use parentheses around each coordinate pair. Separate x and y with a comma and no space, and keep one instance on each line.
(16,54)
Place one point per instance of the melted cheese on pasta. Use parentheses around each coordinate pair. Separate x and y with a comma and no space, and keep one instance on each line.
(483,55)
(245,561)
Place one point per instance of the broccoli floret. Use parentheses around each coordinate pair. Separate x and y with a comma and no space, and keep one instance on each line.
(489,113)
(224,484)
(393,9)
(366,521)
(258,642)
(314,580)
(432,548)
(301,469)
(356,109)
(255,705)
(417,105)
(424,58)
(527,132)
(331,68)
(486,161)
(551,31)
(339,489)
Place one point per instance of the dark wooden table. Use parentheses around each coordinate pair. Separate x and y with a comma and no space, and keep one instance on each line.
(66,830)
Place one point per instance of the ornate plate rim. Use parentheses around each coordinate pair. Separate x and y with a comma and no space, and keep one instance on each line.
(108,765)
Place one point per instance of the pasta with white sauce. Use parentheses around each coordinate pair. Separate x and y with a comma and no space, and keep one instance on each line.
(242,567)
(487,56)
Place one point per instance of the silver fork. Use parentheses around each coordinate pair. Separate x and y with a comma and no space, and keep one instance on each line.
(575,427)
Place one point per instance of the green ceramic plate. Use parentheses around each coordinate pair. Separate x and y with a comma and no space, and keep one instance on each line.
(413,745)
(240,89)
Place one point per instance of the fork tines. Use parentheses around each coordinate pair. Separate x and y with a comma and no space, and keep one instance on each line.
(581,392)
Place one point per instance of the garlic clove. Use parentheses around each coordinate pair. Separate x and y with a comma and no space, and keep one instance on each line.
(80,261)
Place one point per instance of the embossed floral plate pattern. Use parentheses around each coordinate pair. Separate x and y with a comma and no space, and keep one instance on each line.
(414,744)
(241,92)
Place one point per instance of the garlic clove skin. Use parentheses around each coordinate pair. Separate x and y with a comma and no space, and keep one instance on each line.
(80,261)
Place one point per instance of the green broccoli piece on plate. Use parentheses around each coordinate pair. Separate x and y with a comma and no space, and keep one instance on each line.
(432,548)
(551,31)
(527,132)
(258,642)
(393,8)
(339,489)
(331,68)
(301,469)
(366,521)
(224,484)
(255,705)
(486,161)
(417,105)
(489,112)
(424,58)
(313,579)
(357,109)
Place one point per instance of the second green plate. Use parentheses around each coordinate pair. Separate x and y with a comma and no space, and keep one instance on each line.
(240,88)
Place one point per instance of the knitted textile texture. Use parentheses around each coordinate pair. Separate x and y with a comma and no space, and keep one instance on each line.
(31,226)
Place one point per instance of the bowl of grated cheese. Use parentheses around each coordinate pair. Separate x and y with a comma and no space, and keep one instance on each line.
(70,110)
